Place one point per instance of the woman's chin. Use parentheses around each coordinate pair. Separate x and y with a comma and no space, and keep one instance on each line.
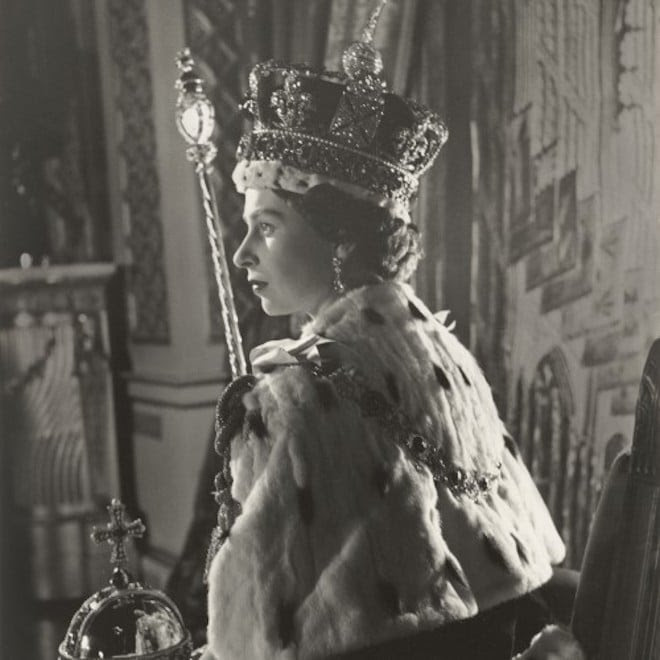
(273,309)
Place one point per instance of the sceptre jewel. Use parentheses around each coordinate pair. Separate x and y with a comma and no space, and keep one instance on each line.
(195,114)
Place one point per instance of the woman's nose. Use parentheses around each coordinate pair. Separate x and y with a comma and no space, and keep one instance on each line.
(244,256)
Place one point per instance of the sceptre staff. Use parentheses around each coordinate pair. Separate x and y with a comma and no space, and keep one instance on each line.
(195,119)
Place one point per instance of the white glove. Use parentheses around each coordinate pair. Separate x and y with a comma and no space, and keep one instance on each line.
(553,643)
(202,653)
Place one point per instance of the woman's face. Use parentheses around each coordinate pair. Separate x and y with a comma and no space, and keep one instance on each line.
(288,264)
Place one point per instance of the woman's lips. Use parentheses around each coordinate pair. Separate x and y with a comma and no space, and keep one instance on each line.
(258,285)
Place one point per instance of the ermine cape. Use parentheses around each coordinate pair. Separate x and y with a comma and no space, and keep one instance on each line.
(381,494)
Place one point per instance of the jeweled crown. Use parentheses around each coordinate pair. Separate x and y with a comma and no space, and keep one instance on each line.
(311,126)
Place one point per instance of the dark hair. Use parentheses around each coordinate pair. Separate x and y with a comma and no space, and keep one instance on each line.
(386,248)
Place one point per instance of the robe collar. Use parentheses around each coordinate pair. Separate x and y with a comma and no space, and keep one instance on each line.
(310,346)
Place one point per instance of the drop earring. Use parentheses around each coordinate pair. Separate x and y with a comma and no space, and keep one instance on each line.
(337,284)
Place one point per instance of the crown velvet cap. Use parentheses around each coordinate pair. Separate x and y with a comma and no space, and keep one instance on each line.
(310,127)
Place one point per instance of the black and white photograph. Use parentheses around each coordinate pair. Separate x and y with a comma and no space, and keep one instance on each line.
(330,329)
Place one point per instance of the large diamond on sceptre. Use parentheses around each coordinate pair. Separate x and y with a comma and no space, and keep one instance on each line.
(195,119)
(195,114)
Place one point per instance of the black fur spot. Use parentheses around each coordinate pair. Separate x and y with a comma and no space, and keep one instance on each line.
(256,424)
(306,505)
(454,573)
(382,481)
(285,626)
(495,553)
(326,393)
(417,313)
(511,445)
(392,387)
(418,444)
(389,597)
(522,551)
(441,376)
(373,316)
(465,378)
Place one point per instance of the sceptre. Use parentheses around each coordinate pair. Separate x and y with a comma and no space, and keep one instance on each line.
(195,119)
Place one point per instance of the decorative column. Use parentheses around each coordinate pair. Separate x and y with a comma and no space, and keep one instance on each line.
(177,369)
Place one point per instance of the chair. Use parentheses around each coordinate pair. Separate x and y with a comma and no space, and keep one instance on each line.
(617,608)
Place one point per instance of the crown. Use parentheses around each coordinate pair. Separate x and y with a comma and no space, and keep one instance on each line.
(313,126)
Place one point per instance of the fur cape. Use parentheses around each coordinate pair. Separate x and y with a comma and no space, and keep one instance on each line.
(345,540)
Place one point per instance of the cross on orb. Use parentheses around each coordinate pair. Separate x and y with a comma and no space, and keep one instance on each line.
(117,531)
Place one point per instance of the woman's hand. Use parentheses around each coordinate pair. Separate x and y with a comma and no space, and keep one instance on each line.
(553,643)
(202,653)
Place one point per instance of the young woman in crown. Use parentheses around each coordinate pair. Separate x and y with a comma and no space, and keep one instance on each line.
(372,503)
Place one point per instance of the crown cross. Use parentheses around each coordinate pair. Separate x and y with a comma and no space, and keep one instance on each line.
(361,106)
(370,28)
(117,531)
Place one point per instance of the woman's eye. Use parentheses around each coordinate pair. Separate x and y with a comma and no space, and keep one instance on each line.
(266,228)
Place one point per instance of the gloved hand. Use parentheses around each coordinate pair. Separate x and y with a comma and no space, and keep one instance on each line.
(553,643)
(202,653)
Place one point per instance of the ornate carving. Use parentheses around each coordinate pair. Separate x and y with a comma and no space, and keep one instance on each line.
(148,309)
(634,43)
